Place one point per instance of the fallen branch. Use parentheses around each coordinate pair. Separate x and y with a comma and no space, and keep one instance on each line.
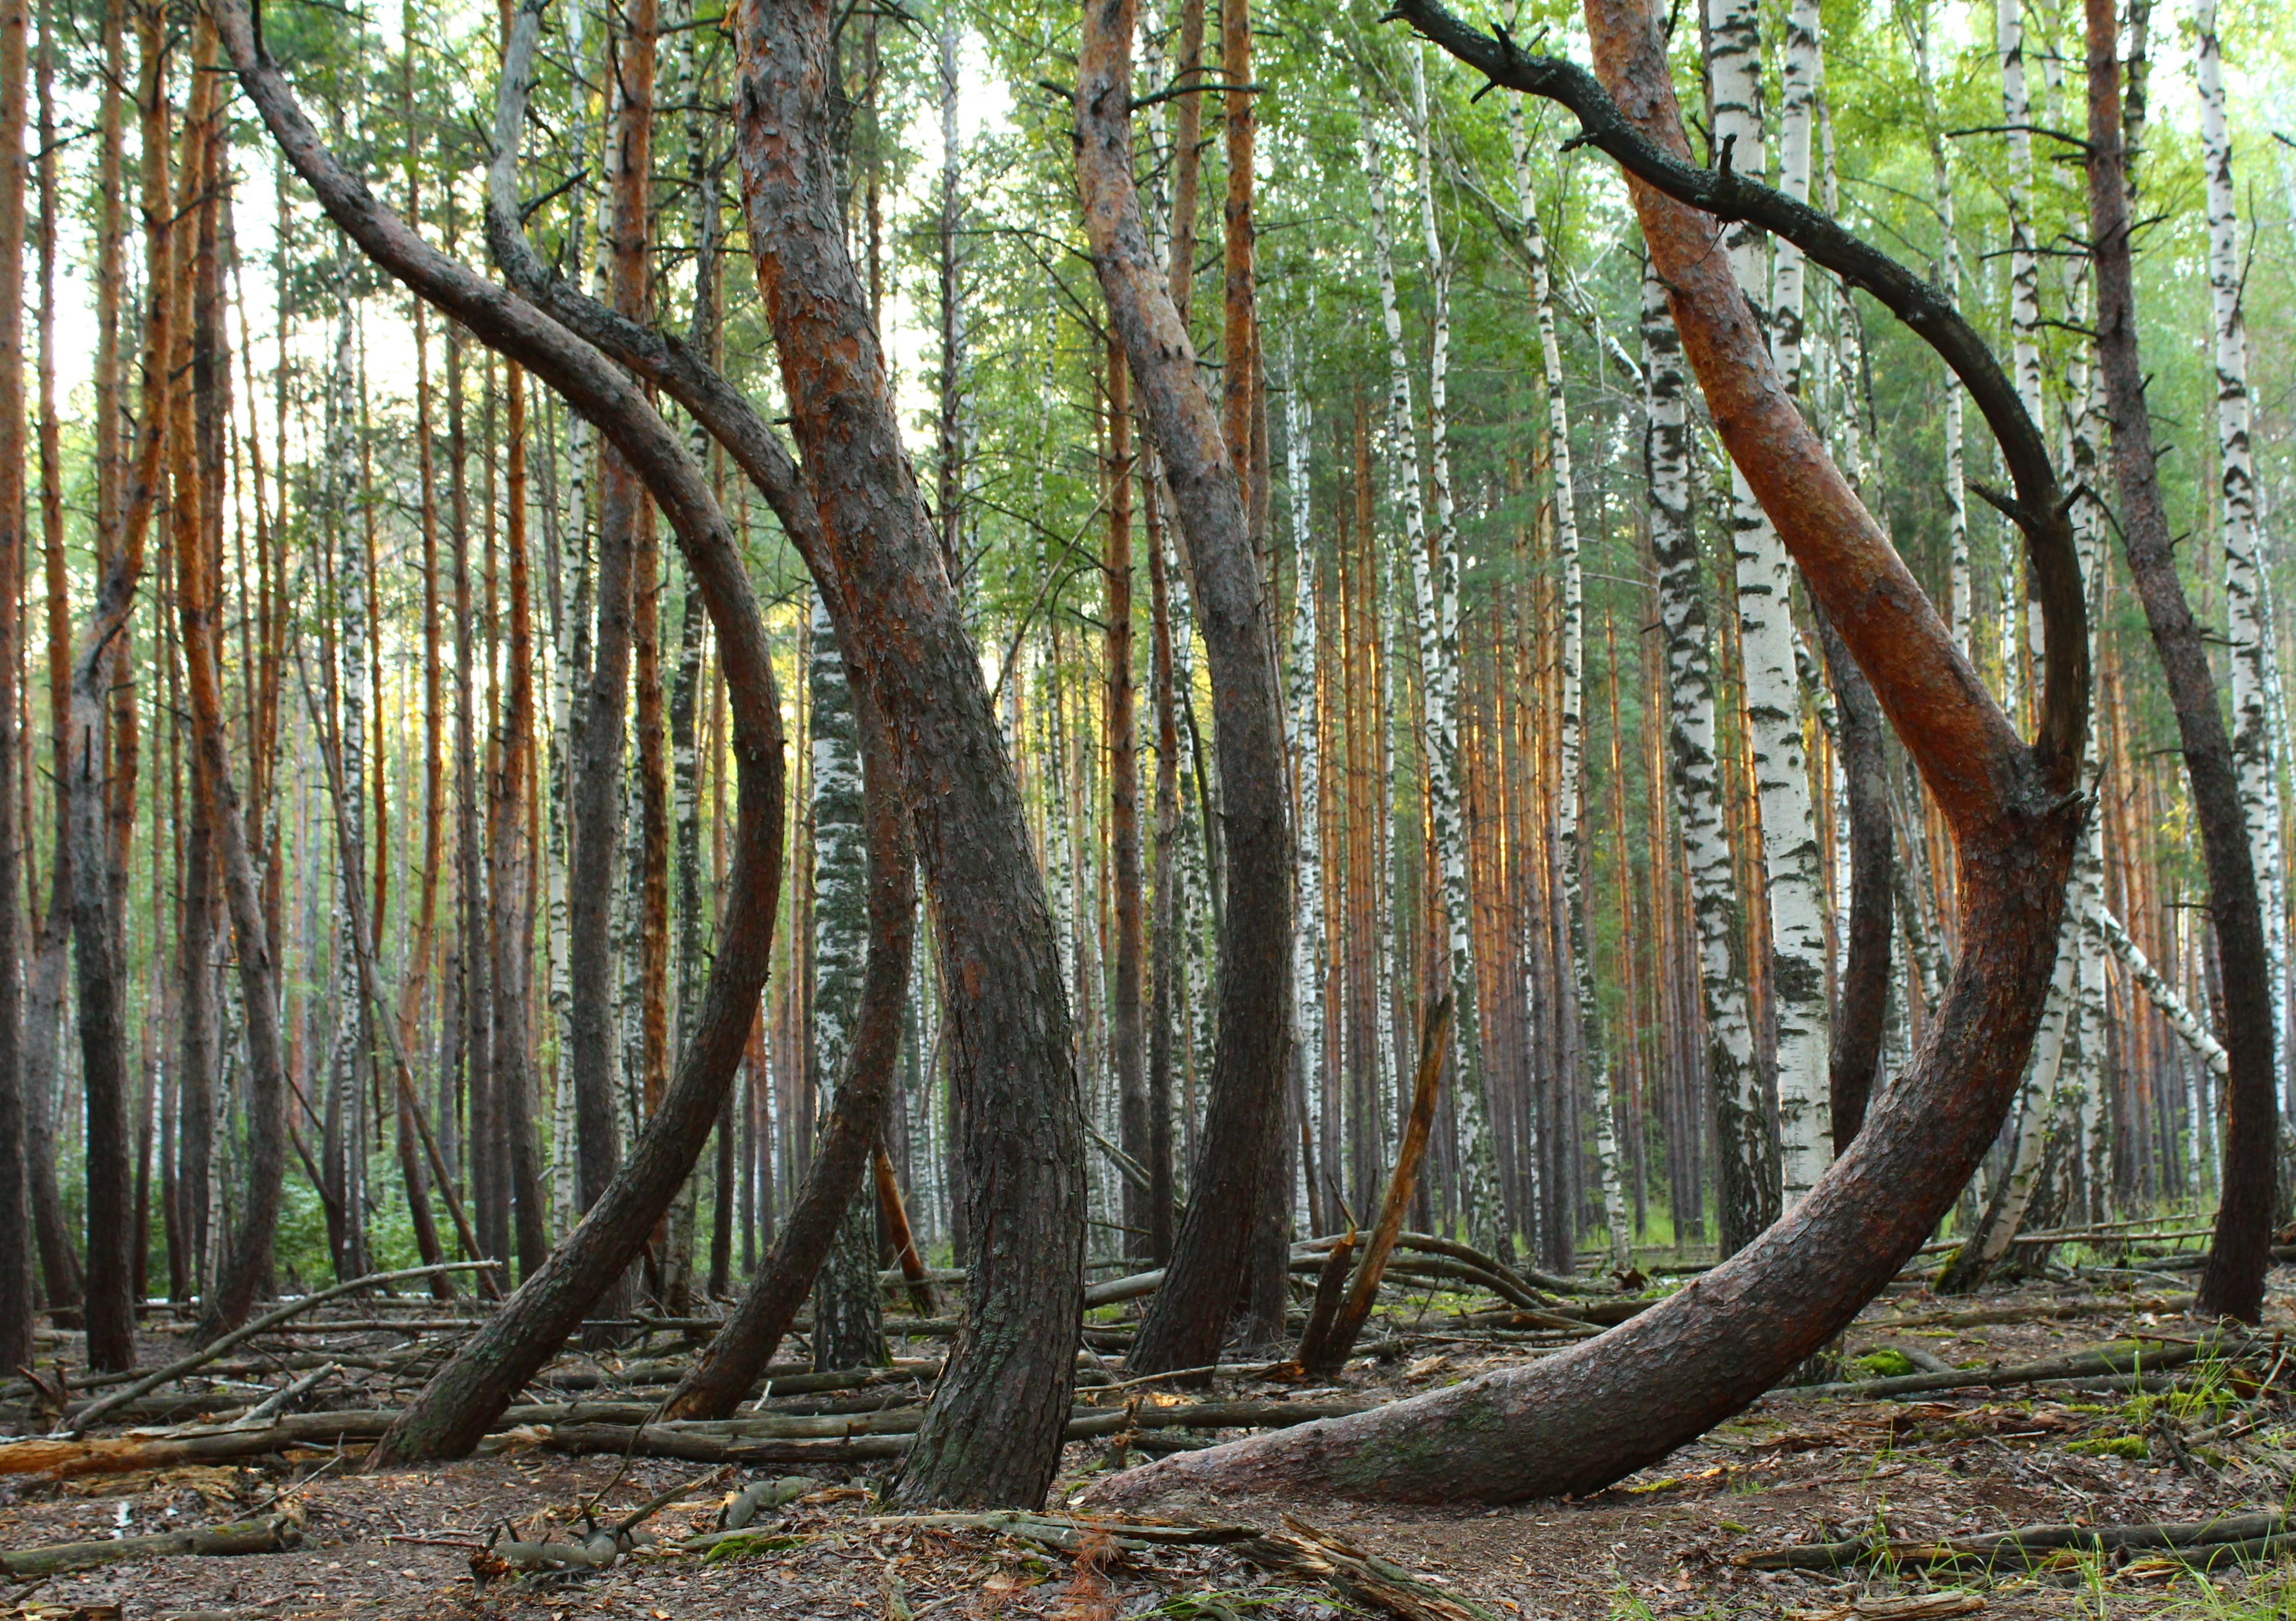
(273,1534)
(2025,1543)
(214,1349)
(2082,1364)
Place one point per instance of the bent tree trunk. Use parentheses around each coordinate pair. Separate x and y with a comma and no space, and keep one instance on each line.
(2232,1283)
(992,1434)
(1245,1117)
(722,1376)
(453,1411)
(1581,1419)
(1862,1009)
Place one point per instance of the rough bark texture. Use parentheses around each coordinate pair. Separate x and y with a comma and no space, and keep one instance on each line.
(15,1231)
(1245,1114)
(2232,1283)
(992,1432)
(1861,1009)
(455,1408)
(1581,1419)
(723,1375)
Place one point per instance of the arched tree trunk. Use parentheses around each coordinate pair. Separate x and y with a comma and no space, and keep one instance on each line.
(1581,1419)
(721,1377)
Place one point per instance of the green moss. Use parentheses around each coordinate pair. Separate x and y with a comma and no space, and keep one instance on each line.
(2133,1447)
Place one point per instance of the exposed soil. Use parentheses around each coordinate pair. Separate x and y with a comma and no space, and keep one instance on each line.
(1793,1470)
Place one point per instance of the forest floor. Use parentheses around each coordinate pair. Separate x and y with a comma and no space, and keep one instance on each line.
(1793,1470)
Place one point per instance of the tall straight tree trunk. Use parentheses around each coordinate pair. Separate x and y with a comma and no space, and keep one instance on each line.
(2232,1282)
(1743,1191)
(1305,715)
(99,879)
(596,792)
(2248,622)
(424,945)
(15,1231)
(1796,941)
(509,866)
(1568,800)
(848,1307)
(1169,972)
(1124,806)
(1913,17)
(195,1081)
(1435,580)
(59,1261)
(1187,1321)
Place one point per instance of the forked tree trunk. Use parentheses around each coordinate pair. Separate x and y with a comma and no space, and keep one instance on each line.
(1244,1116)
(1581,1419)
(992,1434)
(722,1377)
(2232,1282)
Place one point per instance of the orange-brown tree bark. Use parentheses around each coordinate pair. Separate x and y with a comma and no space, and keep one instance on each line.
(1580,1420)
(1244,1116)
(15,1231)
(992,1434)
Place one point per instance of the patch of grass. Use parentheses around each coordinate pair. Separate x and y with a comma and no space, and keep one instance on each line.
(2135,1448)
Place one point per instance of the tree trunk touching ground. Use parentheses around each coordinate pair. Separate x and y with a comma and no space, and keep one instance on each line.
(1581,1419)
(724,1374)
(848,1309)
(992,1434)
(1742,1158)
(1245,1117)
(2232,1283)
(15,1230)
(1766,642)
(455,1408)
(2248,625)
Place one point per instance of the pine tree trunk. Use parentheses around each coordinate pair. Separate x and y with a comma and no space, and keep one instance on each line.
(992,1432)
(1124,808)
(1586,1417)
(2232,1282)
(15,1231)
(100,767)
(1188,1320)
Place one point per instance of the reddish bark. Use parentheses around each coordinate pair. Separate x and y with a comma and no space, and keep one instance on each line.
(1580,1420)
(992,1432)
(1244,1120)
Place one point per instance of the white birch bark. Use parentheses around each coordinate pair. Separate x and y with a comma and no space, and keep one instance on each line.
(848,1313)
(2247,628)
(1792,862)
(1569,831)
(2188,1025)
(1308,970)
(1694,771)
(1797,111)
